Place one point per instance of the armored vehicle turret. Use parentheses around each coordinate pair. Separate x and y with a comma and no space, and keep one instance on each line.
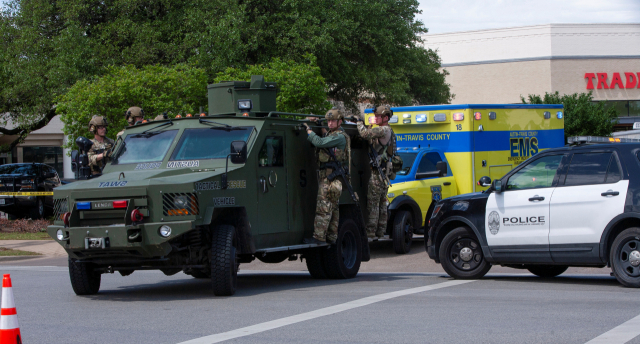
(204,194)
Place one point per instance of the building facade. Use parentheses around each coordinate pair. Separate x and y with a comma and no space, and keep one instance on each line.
(503,65)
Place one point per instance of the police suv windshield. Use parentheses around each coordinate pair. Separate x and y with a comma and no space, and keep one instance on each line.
(150,147)
(18,169)
(407,162)
(209,143)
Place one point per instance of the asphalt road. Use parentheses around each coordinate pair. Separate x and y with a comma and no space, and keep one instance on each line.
(279,303)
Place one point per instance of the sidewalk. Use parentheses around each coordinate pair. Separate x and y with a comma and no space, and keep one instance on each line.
(47,248)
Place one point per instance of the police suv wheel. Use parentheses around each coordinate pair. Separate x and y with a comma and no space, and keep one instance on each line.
(224,261)
(345,256)
(625,257)
(461,255)
(402,232)
(37,212)
(546,271)
(84,279)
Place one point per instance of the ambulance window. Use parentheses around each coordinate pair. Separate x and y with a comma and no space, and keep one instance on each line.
(272,152)
(428,162)
(588,168)
(537,174)
(407,162)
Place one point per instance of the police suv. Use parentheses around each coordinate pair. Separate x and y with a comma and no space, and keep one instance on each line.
(578,205)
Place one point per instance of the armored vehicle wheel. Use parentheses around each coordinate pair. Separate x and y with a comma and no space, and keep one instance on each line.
(625,257)
(461,255)
(37,212)
(402,232)
(344,257)
(224,262)
(316,263)
(547,271)
(84,280)
(200,274)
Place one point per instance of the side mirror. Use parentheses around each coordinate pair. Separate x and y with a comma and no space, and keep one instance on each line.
(484,181)
(441,166)
(497,185)
(238,152)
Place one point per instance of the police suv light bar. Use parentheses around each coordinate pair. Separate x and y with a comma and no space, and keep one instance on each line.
(598,139)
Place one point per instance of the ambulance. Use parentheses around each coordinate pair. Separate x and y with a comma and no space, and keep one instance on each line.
(447,148)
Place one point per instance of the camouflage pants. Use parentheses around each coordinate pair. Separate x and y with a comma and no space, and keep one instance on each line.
(325,225)
(377,204)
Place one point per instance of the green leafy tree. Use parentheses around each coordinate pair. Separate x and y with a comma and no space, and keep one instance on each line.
(301,87)
(582,115)
(157,89)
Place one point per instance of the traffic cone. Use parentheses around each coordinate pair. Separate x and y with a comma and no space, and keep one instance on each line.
(9,328)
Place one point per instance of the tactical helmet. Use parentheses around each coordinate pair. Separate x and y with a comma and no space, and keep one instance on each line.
(384,110)
(334,114)
(133,112)
(161,117)
(95,122)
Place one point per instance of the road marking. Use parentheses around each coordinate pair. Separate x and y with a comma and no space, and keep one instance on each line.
(270,325)
(621,334)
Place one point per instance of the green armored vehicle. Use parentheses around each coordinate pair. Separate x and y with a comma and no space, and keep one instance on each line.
(204,194)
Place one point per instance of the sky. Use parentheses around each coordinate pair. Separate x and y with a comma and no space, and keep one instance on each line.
(443,16)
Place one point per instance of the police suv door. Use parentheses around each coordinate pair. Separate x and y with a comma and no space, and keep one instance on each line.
(588,196)
(517,219)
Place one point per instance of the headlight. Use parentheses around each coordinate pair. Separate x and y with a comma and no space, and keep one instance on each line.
(181,202)
(165,231)
(59,234)
(244,104)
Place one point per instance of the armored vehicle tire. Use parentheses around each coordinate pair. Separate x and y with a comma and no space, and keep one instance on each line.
(547,271)
(37,212)
(402,232)
(461,255)
(200,274)
(224,262)
(625,257)
(316,263)
(344,257)
(84,280)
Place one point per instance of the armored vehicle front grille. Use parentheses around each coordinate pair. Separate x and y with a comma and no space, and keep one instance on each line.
(180,204)
(60,206)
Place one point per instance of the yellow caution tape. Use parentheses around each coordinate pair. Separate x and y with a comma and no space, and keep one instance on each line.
(42,193)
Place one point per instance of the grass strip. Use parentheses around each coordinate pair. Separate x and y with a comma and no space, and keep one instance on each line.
(6,252)
(24,236)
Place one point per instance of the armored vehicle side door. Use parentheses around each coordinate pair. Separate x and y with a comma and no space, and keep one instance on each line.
(272,197)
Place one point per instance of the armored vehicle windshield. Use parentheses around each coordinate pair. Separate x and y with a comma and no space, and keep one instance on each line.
(145,147)
(216,142)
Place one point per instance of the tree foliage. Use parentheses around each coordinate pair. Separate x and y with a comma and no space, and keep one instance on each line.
(368,49)
(301,87)
(582,116)
(156,89)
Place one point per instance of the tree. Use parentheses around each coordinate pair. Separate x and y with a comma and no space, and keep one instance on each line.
(157,89)
(582,116)
(366,50)
(301,88)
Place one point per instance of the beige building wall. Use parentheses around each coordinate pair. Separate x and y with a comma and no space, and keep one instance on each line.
(499,83)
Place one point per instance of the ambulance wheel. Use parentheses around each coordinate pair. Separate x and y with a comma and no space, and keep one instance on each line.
(402,232)
(547,271)
(625,257)
(84,279)
(315,260)
(344,257)
(461,255)
(224,261)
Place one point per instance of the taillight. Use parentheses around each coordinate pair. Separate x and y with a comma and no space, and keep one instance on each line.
(136,215)
(119,204)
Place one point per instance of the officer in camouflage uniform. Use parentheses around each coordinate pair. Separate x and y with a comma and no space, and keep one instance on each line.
(325,226)
(381,140)
(133,115)
(99,152)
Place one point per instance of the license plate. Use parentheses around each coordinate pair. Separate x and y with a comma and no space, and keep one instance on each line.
(96,243)
(2,201)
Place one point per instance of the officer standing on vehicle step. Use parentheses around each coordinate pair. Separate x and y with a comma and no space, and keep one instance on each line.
(381,140)
(325,225)
(102,145)
(133,115)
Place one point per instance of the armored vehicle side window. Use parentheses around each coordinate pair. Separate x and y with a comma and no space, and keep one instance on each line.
(272,152)
(588,168)
(208,143)
(537,174)
(407,163)
(140,148)
(428,162)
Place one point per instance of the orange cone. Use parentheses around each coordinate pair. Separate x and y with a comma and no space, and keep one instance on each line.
(9,328)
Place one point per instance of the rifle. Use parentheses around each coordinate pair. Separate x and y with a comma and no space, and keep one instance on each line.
(373,160)
(339,171)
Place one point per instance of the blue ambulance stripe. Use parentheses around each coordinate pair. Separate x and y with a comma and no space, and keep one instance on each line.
(447,141)
(499,140)
(473,106)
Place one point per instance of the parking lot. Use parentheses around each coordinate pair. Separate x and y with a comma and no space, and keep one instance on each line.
(395,298)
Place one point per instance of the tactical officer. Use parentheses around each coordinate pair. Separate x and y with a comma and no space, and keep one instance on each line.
(381,139)
(325,225)
(98,153)
(133,115)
